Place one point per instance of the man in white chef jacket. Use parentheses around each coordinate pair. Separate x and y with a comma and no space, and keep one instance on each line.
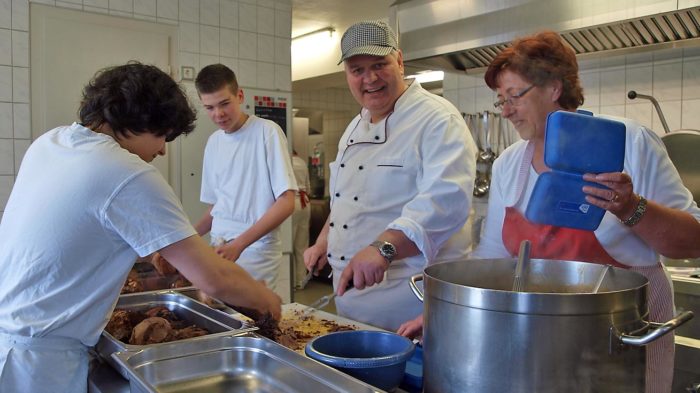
(400,186)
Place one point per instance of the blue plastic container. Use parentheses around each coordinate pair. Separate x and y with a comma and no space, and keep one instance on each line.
(575,144)
(413,379)
(375,357)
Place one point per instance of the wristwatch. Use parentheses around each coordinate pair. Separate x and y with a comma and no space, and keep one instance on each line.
(386,249)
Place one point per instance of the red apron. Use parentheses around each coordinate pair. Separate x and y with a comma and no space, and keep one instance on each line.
(551,242)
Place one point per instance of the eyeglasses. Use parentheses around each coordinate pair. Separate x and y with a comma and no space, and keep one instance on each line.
(513,100)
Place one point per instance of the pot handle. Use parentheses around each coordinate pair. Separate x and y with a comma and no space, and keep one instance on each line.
(412,283)
(658,330)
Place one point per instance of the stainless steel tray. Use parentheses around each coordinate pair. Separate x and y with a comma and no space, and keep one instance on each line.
(230,364)
(186,308)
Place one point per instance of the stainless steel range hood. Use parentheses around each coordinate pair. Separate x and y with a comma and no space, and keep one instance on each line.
(465,35)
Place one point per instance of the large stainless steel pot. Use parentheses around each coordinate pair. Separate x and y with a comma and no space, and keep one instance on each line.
(555,336)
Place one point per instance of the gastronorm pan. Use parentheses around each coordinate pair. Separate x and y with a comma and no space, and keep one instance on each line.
(186,308)
(230,364)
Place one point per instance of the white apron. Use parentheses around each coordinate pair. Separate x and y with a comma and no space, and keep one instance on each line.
(261,260)
(386,305)
(42,364)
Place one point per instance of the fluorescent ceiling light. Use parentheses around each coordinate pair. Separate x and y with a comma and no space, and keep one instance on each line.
(427,76)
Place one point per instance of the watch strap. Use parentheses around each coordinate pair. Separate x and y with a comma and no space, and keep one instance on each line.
(380,244)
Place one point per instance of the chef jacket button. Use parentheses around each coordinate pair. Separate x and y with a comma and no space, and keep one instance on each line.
(355,198)
(351,141)
(329,255)
(331,224)
(345,226)
(342,165)
(376,137)
(342,258)
(337,194)
(361,167)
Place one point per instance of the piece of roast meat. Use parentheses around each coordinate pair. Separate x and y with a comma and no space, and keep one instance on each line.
(151,330)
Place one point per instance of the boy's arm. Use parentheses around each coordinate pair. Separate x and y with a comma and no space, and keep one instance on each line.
(228,282)
(273,217)
(203,226)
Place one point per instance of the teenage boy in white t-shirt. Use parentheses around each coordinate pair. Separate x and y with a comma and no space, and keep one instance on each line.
(247,178)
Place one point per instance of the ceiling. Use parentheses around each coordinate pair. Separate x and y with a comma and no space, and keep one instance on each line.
(310,15)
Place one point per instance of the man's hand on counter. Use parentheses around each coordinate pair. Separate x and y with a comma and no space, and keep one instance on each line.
(365,269)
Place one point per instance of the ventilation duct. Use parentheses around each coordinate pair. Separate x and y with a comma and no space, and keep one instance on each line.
(466,35)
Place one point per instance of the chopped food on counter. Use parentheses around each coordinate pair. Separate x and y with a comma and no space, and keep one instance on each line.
(295,329)
(153,326)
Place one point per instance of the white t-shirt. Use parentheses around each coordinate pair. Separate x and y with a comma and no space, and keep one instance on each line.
(244,174)
(653,176)
(81,210)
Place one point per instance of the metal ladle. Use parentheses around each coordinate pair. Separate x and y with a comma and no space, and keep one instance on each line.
(487,155)
(523,259)
(601,278)
(481,184)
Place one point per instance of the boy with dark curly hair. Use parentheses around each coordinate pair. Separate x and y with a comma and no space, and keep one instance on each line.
(85,204)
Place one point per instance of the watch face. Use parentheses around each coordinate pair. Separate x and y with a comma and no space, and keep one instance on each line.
(388,250)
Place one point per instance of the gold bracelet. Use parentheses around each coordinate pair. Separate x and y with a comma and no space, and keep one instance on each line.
(638,213)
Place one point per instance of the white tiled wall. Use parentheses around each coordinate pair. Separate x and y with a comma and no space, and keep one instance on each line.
(672,76)
(338,107)
(253,37)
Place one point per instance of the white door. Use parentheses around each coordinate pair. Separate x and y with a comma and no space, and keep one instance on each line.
(69,46)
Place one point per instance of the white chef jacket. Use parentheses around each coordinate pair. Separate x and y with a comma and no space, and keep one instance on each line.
(414,172)
(244,173)
(81,210)
(646,162)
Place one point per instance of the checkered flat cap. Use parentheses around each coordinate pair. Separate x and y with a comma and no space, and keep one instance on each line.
(371,37)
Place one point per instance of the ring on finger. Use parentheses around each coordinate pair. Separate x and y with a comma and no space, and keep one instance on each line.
(615,197)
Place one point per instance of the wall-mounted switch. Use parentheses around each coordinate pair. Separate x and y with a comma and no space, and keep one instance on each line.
(187,73)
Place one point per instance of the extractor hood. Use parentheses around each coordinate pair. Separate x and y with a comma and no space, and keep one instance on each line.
(465,35)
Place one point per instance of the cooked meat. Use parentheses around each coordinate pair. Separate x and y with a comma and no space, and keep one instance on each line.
(189,332)
(132,285)
(151,330)
(160,311)
(181,282)
(119,326)
(155,325)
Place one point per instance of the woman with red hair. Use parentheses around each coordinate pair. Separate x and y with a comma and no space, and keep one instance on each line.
(648,210)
